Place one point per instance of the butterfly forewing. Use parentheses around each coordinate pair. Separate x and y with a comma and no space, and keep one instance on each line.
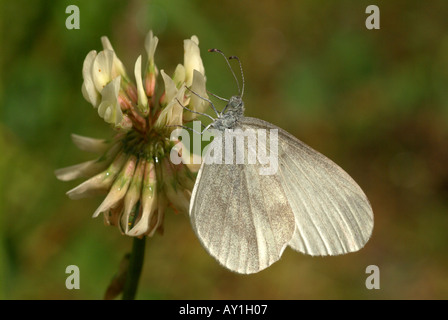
(242,218)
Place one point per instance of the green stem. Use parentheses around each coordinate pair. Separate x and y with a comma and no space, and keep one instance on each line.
(135,268)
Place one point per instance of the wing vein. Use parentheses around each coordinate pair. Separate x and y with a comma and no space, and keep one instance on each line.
(330,198)
(354,216)
(226,217)
(305,192)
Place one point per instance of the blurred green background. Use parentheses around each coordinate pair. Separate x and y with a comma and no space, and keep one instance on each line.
(375,102)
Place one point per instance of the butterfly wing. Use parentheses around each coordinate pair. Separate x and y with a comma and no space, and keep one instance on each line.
(332,214)
(241,218)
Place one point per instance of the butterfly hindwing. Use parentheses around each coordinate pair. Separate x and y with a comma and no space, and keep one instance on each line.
(332,214)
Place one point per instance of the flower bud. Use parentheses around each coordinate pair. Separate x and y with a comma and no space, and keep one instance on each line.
(142,105)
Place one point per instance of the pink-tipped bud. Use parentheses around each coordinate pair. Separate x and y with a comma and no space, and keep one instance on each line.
(150,83)
(131,91)
(125,102)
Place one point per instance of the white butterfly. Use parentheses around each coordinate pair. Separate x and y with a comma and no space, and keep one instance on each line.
(246,220)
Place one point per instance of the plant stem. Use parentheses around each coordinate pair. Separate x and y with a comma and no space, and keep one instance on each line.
(135,268)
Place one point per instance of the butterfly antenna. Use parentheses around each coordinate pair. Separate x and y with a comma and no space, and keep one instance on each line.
(230,67)
(242,73)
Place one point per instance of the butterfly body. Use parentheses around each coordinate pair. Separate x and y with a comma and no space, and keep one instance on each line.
(232,113)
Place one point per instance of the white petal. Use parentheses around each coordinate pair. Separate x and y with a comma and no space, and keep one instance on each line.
(150,46)
(170,87)
(142,99)
(179,75)
(195,39)
(192,59)
(149,201)
(109,108)
(102,108)
(117,66)
(100,182)
(196,103)
(171,115)
(102,69)
(132,197)
(112,216)
(119,188)
(89,168)
(90,144)
(106,43)
(88,88)
(84,169)
(108,116)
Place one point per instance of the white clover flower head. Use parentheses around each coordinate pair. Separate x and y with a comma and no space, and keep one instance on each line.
(134,167)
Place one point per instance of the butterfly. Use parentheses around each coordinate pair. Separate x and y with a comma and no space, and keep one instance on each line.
(245,220)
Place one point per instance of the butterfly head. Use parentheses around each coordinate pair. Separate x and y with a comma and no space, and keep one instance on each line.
(234,109)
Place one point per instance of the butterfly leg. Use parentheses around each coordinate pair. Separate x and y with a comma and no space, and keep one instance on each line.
(205,99)
(201,113)
(206,128)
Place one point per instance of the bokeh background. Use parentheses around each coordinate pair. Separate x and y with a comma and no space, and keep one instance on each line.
(374,101)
